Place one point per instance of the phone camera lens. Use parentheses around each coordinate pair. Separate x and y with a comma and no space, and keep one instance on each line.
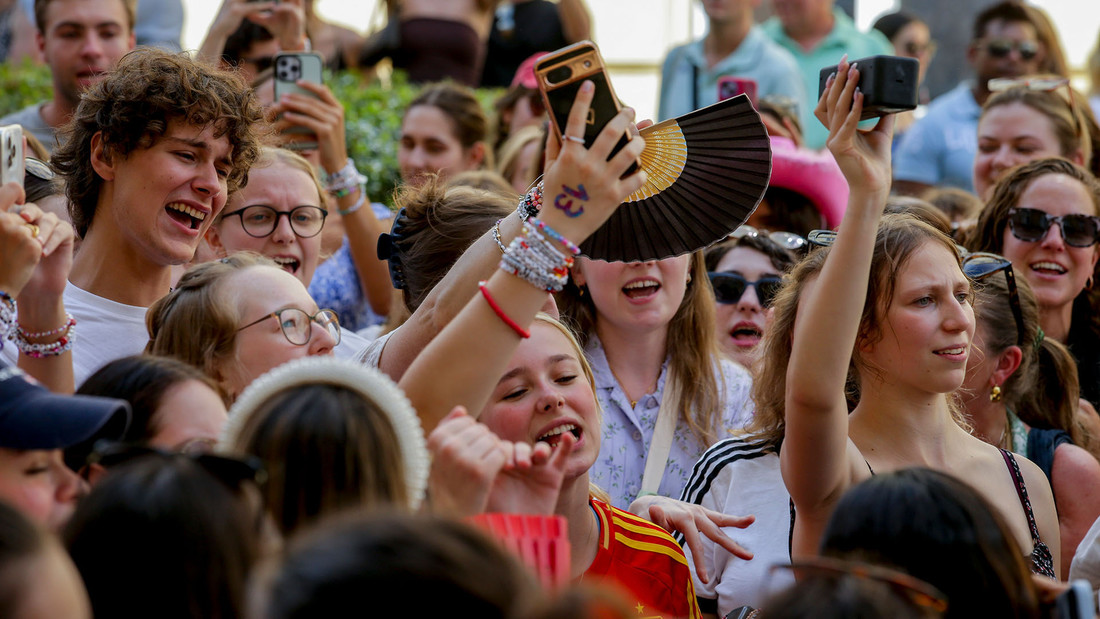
(588,64)
(558,75)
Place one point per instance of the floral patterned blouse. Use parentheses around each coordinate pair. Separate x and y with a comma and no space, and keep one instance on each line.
(336,286)
(627,432)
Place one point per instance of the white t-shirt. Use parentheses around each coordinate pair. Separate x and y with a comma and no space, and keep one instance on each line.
(105,331)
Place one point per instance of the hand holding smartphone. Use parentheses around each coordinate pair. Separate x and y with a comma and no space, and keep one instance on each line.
(289,67)
(12,164)
(560,75)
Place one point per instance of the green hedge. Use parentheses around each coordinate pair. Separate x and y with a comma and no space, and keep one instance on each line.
(373,113)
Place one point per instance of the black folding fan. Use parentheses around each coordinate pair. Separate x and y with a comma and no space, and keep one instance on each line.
(707,171)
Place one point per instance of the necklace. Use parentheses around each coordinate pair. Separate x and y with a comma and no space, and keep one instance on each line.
(633,402)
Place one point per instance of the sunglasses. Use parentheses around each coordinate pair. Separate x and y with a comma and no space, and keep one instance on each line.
(1001,48)
(916,591)
(730,287)
(980,265)
(787,240)
(1031,225)
(233,472)
(1042,84)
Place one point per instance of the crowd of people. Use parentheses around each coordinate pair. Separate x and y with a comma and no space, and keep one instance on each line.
(232,384)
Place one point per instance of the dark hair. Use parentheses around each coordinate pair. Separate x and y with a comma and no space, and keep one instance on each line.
(244,37)
(142,380)
(939,530)
(1006,11)
(437,224)
(781,259)
(41,6)
(325,448)
(391,562)
(20,542)
(132,108)
(791,211)
(957,204)
(843,596)
(460,105)
(920,209)
(891,24)
(161,535)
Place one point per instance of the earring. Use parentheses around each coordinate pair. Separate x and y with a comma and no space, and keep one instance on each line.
(580,291)
(1088,284)
(995,394)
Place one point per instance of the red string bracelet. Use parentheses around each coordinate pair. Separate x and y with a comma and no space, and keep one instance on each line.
(500,313)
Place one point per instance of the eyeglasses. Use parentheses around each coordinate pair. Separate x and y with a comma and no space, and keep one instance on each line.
(1001,48)
(1031,225)
(233,472)
(916,591)
(297,326)
(730,287)
(980,265)
(1042,84)
(787,240)
(260,220)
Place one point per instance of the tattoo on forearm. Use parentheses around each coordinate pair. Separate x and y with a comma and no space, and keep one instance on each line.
(564,200)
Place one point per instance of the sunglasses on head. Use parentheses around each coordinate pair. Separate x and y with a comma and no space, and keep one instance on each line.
(730,287)
(1058,85)
(1001,48)
(1031,225)
(787,240)
(980,265)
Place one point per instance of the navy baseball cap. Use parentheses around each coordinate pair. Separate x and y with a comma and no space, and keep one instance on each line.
(32,417)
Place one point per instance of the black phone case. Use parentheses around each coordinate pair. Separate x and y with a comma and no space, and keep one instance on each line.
(888,84)
(559,100)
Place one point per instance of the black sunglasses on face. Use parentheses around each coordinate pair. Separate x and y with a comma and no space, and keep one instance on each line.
(980,265)
(1031,226)
(1001,48)
(730,287)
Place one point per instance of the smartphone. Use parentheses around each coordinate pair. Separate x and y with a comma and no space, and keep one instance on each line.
(729,87)
(560,75)
(289,67)
(888,84)
(12,165)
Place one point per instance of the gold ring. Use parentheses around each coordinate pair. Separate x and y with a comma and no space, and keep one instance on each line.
(573,138)
(34,230)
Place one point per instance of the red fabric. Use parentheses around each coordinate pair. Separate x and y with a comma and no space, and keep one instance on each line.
(644,562)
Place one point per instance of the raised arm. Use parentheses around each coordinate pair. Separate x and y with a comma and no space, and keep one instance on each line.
(462,365)
(815,456)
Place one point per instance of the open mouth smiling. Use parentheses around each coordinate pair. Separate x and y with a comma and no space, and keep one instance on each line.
(186,215)
(553,437)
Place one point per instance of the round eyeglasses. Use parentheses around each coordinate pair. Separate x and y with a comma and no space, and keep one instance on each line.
(297,325)
(260,220)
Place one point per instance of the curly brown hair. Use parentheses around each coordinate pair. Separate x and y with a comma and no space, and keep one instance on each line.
(133,107)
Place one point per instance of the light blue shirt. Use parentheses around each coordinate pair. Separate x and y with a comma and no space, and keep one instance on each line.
(628,432)
(773,69)
(844,38)
(939,149)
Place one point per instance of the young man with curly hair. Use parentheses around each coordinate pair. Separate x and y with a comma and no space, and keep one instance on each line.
(150,157)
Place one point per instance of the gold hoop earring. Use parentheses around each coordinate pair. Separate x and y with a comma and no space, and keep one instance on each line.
(995,394)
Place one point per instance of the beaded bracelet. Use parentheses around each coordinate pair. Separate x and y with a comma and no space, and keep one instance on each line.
(345,180)
(524,333)
(531,204)
(358,204)
(496,236)
(39,351)
(534,258)
(69,323)
(550,232)
(7,316)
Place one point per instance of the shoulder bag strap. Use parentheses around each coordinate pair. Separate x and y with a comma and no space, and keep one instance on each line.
(661,445)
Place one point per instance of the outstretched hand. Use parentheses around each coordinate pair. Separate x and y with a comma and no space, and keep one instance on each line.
(691,520)
(581,188)
(863,156)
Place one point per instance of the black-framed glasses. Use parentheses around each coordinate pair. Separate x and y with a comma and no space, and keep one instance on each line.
(730,287)
(787,240)
(980,265)
(297,325)
(1001,48)
(916,591)
(260,220)
(232,471)
(1043,84)
(1031,226)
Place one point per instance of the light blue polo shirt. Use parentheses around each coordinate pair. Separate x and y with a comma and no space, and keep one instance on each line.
(939,149)
(758,58)
(845,38)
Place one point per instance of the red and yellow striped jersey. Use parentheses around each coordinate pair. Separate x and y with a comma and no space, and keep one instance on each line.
(643,561)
